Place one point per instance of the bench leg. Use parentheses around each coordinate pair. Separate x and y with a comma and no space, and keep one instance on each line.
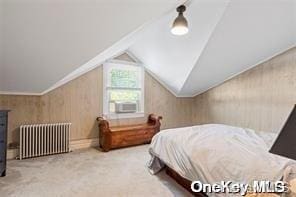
(105,149)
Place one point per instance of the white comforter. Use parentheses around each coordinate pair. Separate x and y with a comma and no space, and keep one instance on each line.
(213,153)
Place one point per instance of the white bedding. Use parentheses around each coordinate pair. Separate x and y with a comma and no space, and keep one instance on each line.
(213,153)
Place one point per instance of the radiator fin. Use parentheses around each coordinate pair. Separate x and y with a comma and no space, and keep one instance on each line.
(44,139)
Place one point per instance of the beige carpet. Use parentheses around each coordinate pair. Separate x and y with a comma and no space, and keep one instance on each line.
(88,173)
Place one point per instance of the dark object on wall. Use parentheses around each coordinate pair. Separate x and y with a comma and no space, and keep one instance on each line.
(285,144)
(3,141)
(128,135)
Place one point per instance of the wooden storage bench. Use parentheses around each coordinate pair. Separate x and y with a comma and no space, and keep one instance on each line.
(128,135)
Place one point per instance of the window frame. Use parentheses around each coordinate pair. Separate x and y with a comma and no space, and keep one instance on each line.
(116,63)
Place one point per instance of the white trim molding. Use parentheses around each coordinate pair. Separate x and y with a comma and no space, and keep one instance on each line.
(113,116)
(74,145)
(128,65)
(116,49)
(245,70)
(85,143)
(20,93)
(79,72)
(12,153)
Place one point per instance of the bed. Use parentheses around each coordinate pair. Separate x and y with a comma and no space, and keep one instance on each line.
(213,153)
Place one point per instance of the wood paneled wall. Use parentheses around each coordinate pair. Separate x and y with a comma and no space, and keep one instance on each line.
(260,98)
(80,102)
(24,110)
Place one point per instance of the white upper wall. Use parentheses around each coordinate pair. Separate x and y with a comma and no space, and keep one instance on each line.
(250,32)
(225,38)
(45,40)
(46,43)
(171,58)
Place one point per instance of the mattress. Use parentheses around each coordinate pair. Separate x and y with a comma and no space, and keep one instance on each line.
(213,153)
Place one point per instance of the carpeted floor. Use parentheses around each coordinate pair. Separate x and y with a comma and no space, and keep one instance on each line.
(88,173)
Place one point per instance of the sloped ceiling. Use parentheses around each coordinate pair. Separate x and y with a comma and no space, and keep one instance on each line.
(47,43)
(249,32)
(171,58)
(45,40)
(225,38)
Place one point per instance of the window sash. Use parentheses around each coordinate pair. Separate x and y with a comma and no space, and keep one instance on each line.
(107,88)
(122,88)
(124,67)
(138,92)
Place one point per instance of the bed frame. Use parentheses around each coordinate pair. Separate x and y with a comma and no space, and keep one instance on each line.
(185,183)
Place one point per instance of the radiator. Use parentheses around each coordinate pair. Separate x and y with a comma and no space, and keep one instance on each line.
(44,139)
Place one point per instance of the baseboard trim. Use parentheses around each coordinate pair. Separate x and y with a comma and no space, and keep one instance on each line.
(74,145)
(85,143)
(12,153)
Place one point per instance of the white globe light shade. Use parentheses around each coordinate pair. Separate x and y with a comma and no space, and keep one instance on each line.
(179,30)
(180,25)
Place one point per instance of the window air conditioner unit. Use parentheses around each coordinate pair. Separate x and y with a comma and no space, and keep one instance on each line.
(126,107)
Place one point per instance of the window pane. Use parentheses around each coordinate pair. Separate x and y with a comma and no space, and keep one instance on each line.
(124,95)
(124,78)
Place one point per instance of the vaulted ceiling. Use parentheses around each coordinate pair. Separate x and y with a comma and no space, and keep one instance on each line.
(46,43)
(42,41)
(226,37)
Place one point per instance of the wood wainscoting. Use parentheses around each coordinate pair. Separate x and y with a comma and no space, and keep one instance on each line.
(261,98)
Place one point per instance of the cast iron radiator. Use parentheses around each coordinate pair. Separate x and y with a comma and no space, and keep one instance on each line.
(44,139)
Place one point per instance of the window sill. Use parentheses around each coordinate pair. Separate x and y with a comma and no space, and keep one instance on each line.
(124,115)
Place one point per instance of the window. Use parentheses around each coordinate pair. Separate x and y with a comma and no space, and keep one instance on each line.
(123,83)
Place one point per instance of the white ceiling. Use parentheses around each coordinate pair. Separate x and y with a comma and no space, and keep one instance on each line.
(46,43)
(249,32)
(45,40)
(226,37)
(171,58)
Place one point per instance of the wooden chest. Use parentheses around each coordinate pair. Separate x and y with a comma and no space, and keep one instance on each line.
(128,135)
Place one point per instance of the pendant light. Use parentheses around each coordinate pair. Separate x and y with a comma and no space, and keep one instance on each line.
(180,25)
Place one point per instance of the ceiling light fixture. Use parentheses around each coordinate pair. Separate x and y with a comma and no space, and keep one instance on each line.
(180,25)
